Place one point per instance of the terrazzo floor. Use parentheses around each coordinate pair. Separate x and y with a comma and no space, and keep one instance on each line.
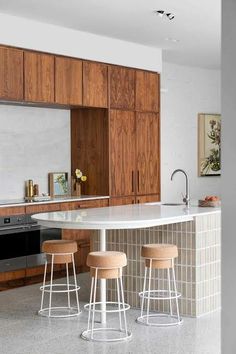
(22,331)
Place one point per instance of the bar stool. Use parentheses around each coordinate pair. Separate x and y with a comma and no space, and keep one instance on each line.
(159,256)
(59,252)
(106,265)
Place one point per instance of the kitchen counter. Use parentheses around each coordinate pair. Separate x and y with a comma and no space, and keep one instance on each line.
(123,217)
(195,230)
(22,202)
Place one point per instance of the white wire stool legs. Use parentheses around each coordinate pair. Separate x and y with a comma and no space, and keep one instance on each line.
(59,311)
(107,334)
(159,319)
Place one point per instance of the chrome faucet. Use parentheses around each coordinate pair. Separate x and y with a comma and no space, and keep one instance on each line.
(186,199)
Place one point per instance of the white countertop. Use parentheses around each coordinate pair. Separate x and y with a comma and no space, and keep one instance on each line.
(22,202)
(122,217)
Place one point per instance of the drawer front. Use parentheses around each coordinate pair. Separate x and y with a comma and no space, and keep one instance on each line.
(42,208)
(12,210)
(98,203)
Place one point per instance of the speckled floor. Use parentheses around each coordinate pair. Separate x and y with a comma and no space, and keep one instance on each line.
(22,331)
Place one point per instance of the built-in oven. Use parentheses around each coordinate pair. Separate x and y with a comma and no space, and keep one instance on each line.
(21,239)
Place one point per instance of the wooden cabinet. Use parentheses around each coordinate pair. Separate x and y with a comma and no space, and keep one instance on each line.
(68,81)
(42,208)
(122,87)
(39,77)
(95,203)
(122,153)
(17,210)
(11,74)
(148,198)
(148,153)
(121,201)
(147,91)
(95,84)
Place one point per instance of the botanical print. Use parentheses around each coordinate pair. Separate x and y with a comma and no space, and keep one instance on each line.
(209,144)
(58,183)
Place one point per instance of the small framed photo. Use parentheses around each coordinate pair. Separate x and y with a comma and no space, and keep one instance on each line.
(58,184)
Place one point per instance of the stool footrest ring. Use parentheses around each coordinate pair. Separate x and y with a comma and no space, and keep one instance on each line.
(123,335)
(173,320)
(72,287)
(108,303)
(159,295)
(72,311)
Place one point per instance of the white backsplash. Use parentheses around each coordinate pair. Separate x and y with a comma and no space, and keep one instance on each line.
(33,142)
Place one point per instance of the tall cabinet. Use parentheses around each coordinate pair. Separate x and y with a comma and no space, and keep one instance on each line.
(122,142)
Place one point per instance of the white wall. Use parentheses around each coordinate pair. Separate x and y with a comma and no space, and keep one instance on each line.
(228,176)
(189,91)
(33,142)
(30,34)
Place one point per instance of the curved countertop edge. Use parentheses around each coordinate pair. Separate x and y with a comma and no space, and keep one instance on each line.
(73,219)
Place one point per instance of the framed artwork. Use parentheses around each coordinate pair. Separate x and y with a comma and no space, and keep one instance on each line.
(209,144)
(58,184)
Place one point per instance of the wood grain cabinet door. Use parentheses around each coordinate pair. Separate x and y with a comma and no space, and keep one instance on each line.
(39,77)
(147,137)
(95,84)
(68,81)
(11,74)
(147,91)
(122,152)
(122,86)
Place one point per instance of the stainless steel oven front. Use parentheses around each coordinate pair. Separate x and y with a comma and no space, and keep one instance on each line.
(20,242)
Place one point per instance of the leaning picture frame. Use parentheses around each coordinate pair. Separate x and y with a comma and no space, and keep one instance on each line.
(209,144)
(58,184)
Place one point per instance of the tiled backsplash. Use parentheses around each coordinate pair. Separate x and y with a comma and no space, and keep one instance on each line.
(197,266)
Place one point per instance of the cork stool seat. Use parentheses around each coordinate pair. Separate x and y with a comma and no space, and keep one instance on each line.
(106,265)
(161,257)
(59,252)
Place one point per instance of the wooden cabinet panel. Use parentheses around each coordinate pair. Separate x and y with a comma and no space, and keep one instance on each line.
(39,77)
(147,130)
(147,91)
(97,203)
(121,201)
(68,81)
(122,87)
(122,152)
(42,208)
(89,148)
(95,84)
(5,211)
(11,74)
(148,198)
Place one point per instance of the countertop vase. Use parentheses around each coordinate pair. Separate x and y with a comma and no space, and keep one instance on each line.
(76,187)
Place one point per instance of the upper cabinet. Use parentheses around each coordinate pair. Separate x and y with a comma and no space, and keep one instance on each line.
(95,84)
(68,81)
(39,77)
(11,74)
(147,91)
(122,88)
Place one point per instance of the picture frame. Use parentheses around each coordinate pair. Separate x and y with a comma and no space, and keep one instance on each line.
(58,184)
(209,144)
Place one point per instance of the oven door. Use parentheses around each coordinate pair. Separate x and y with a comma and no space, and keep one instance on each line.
(38,259)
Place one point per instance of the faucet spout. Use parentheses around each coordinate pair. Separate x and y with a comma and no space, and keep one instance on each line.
(186,199)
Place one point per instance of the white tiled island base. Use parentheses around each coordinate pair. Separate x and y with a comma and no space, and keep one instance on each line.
(197,266)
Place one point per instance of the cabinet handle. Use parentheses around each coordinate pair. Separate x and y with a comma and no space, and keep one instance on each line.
(138,179)
(132,181)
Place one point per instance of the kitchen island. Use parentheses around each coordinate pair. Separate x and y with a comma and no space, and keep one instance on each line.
(196,232)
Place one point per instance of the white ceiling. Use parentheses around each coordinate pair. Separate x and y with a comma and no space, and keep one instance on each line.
(197,23)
